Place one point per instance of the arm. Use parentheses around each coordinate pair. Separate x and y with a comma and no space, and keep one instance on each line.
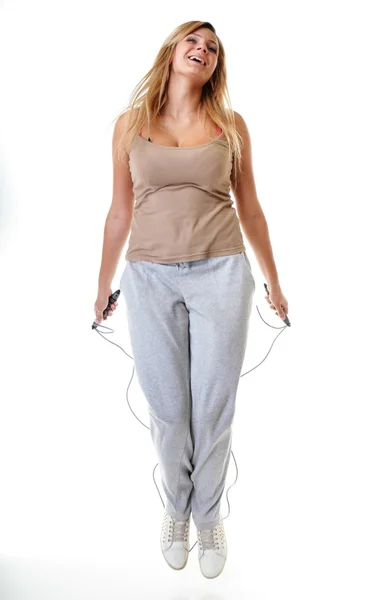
(250,213)
(118,220)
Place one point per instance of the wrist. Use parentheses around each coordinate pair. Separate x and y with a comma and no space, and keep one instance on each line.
(104,286)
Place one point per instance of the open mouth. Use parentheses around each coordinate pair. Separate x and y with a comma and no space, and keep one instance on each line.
(196,59)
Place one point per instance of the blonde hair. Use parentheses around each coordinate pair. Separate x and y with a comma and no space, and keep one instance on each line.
(150,94)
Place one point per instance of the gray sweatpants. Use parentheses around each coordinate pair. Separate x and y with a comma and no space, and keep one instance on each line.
(188,325)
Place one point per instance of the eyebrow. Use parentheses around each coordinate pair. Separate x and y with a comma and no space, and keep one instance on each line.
(213,41)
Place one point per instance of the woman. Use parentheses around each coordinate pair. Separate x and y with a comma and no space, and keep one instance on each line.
(187,284)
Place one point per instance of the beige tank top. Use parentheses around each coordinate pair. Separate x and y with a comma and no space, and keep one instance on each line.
(182,205)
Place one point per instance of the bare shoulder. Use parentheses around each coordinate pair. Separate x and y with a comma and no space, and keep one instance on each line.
(240,123)
(122,125)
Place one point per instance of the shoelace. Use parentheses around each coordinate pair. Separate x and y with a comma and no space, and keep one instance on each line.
(177,529)
(207,539)
(211,538)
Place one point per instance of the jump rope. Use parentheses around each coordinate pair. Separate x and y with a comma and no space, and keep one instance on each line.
(113,298)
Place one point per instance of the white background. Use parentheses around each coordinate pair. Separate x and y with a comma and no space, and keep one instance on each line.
(80,516)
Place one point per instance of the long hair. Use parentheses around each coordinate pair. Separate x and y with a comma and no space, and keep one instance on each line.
(150,94)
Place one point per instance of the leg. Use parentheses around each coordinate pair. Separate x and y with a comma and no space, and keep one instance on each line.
(219,302)
(159,333)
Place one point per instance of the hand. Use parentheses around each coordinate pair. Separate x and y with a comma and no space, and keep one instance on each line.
(277,301)
(101,303)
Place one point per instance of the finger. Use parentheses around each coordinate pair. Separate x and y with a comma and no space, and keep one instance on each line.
(280,312)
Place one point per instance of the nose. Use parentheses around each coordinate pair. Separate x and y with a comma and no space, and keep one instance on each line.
(203,47)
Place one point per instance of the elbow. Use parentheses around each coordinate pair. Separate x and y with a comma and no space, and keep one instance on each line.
(123,216)
(254,218)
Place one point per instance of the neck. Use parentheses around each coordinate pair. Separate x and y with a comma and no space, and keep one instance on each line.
(183,100)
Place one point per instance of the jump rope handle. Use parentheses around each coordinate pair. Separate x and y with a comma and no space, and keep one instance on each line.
(113,298)
(286,320)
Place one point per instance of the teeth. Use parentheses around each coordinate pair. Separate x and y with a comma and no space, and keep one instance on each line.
(196,58)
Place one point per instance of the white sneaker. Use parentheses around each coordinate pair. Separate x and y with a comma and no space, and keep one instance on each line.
(212,550)
(175,541)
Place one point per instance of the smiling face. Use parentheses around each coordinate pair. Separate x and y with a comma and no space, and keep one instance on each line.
(202,44)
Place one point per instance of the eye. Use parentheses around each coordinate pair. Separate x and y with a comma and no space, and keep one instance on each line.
(194,40)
